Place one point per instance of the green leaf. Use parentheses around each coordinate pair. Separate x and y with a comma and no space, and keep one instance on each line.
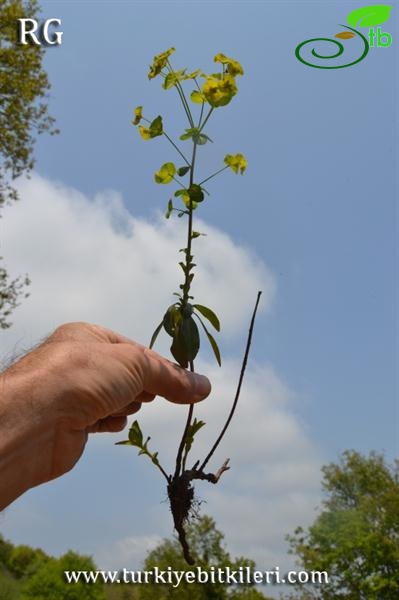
(135,435)
(189,133)
(179,352)
(182,171)
(155,334)
(202,139)
(136,439)
(175,76)
(189,333)
(369,16)
(208,314)
(156,127)
(192,430)
(185,196)
(171,319)
(172,78)
(212,342)
(196,234)
(186,341)
(169,209)
(195,193)
(195,134)
(165,173)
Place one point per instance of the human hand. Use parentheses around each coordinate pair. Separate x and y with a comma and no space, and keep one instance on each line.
(82,379)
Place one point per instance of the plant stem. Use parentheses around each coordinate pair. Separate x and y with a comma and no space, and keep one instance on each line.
(202,112)
(164,473)
(244,364)
(172,142)
(189,228)
(206,119)
(182,97)
(178,182)
(183,439)
(185,301)
(184,100)
(178,149)
(214,175)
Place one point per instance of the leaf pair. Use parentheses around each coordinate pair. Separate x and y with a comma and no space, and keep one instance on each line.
(175,77)
(194,133)
(191,196)
(179,324)
(155,129)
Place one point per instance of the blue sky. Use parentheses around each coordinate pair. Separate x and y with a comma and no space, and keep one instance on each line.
(316,206)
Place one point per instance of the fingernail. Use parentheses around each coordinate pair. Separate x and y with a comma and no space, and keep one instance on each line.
(202,386)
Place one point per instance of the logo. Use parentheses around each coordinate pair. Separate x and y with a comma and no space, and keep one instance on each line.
(28,28)
(370,17)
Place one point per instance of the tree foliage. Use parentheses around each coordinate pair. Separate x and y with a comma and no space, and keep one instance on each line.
(23,96)
(48,582)
(356,536)
(24,89)
(10,292)
(208,550)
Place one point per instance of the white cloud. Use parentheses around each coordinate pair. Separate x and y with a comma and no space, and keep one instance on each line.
(92,260)
(128,552)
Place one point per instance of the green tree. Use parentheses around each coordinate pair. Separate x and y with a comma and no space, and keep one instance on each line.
(24,89)
(355,538)
(24,560)
(9,588)
(206,544)
(5,551)
(49,583)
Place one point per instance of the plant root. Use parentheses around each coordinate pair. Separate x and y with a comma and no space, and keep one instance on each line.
(183,503)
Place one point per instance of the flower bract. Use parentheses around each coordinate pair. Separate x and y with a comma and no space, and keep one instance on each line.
(233,66)
(159,63)
(236,162)
(218,90)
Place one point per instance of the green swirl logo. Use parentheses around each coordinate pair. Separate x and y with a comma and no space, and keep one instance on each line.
(368,16)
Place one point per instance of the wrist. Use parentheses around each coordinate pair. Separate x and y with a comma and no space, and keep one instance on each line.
(23,437)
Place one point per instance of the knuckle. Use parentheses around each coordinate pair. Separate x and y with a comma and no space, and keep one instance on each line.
(64,331)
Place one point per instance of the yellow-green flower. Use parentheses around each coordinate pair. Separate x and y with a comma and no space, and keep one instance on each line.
(159,63)
(145,132)
(219,90)
(233,66)
(197,97)
(236,162)
(138,115)
(175,77)
(155,128)
(165,173)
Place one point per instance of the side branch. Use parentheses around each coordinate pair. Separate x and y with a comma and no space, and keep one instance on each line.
(244,365)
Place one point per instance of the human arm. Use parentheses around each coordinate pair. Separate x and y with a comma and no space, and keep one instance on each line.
(82,379)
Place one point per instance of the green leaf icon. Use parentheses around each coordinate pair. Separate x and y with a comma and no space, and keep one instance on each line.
(369,16)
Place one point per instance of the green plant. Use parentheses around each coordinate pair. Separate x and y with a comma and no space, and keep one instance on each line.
(181,317)
(355,536)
